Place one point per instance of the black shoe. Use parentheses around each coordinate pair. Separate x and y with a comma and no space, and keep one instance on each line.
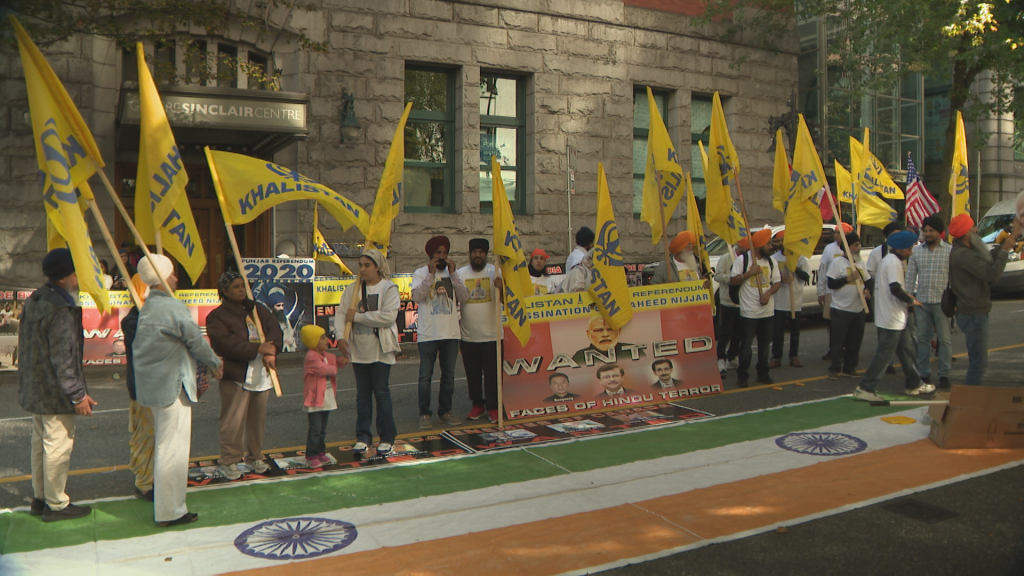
(69,512)
(944,383)
(926,379)
(147,496)
(742,383)
(827,356)
(765,380)
(849,373)
(188,518)
(37,507)
(833,375)
(890,369)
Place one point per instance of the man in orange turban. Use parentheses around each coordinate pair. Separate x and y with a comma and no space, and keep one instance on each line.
(685,267)
(755,280)
(728,313)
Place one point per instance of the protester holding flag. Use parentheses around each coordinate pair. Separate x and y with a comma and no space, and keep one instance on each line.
(757,308)
(481,331)
(831,251)
(246,385)
(51,383)
(892,320)
(973,269)
(726,334)
(848,314)
(438,289)
(788,304)
(140,418)
(927,277)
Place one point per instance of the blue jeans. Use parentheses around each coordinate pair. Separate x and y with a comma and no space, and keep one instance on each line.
(975,329)
(930,317)
(372,384)
(448,352)
(892,342)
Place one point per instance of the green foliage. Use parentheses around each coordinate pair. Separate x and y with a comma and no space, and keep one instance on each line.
(162,23)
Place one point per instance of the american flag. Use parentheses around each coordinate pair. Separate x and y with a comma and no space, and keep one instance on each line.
(920,203)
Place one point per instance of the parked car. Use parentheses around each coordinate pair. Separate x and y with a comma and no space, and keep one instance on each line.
(999,218)
(717,247)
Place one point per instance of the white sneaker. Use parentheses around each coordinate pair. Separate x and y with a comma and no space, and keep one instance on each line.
(384,448)
(360,447)
(231,471)
(922,389)
(259,467)
(862,394)
(723,366)
(734,363)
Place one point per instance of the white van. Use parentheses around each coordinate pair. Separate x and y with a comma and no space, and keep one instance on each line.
(999,218)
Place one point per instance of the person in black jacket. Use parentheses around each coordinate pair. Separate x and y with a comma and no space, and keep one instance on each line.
(246,384)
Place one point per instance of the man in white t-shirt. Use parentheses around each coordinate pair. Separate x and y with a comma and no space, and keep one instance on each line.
(757,306)
(891,319)
(481,330)
(584,241)
(875,257)
(437,290)
(829,254)
(848,314)
(790,300)
(727,313)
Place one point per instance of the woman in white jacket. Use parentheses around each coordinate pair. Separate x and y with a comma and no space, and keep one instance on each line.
(371,346)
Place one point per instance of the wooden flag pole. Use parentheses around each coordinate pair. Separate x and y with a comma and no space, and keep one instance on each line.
(846,247)
(113,250)
(792,295)
(128,221)
(750,233)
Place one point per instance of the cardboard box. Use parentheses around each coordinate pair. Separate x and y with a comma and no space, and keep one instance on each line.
(979,417)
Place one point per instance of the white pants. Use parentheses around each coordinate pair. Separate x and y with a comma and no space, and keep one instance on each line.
(53,437)
(173,431)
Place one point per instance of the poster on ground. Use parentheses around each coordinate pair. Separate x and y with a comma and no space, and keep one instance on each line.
(574,362)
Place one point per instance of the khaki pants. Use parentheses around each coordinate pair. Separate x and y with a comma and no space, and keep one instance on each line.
(53,437)
(242,418)
(173,439)
(140,446)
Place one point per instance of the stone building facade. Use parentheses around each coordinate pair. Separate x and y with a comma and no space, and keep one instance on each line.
(575,65)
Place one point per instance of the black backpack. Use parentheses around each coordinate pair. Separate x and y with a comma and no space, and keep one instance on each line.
(734,289)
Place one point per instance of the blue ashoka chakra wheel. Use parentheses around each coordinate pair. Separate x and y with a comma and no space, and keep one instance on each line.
(821,443)
(295,538)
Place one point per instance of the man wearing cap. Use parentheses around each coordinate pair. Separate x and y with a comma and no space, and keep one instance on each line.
(168,343)
(686,268)
(437,289)
(927,277)
(892,322)
(481,331)
(543,283)
(757,307)
(973,269)
(584,241)
(829,254)
(726,334)
(788,304)
(51,383)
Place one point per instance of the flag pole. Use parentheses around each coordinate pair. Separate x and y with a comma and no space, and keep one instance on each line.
(792,295)
(497,344)
(238,262)
(846,248)
(113,250)
(746,221)
(128,221)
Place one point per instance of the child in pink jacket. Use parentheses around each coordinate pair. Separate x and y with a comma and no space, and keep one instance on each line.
(320,389)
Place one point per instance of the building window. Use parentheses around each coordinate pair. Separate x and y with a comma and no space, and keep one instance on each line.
(641,122)
(227,66)
(196,67)
(1018,139)
(257,72)
(165,66)
(429,137)
(700,131)
(502,130)
(129,66)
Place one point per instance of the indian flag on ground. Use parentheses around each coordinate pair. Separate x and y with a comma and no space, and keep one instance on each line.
(677,487)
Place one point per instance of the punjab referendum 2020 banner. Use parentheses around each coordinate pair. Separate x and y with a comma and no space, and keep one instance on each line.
(574,362)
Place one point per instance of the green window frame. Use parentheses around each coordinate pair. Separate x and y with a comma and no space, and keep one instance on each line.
(503,134)
(641,123)
(429,179)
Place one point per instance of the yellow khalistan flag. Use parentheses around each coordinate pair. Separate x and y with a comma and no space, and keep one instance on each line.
(608,283)
(803,214)
(959,180)
(722,168)
(322,250)
(871,209)
(663,178)
(508,249)
(780,179)
(63,143)
(876,174)
(160,198)
(844,181)
(693,224)
(248,187)
(389,192)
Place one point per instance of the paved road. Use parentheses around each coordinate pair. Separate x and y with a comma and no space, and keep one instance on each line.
(102,440)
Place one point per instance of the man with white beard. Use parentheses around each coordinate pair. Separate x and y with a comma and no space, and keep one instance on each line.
(973,269)
(686,266)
